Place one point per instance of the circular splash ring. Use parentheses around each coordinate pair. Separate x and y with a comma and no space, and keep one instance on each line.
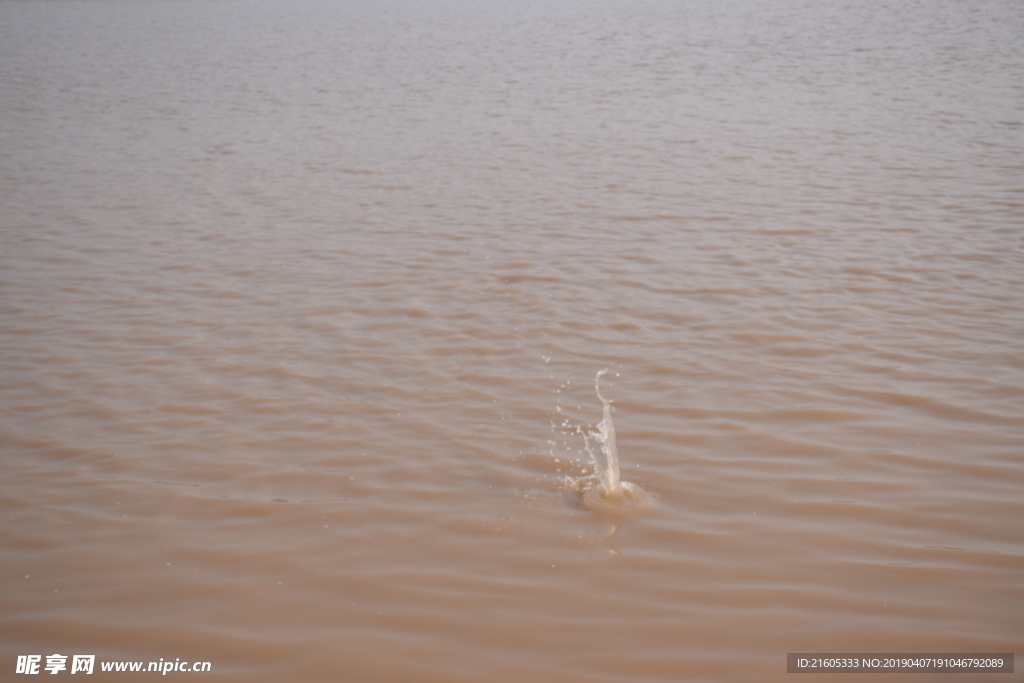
(626,499)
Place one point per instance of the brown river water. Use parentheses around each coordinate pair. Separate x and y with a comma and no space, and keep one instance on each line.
(302,305)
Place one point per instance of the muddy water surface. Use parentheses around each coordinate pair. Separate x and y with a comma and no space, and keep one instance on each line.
(301,308)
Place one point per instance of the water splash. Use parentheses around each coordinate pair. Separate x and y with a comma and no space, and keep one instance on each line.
(613,495)
(605,436)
